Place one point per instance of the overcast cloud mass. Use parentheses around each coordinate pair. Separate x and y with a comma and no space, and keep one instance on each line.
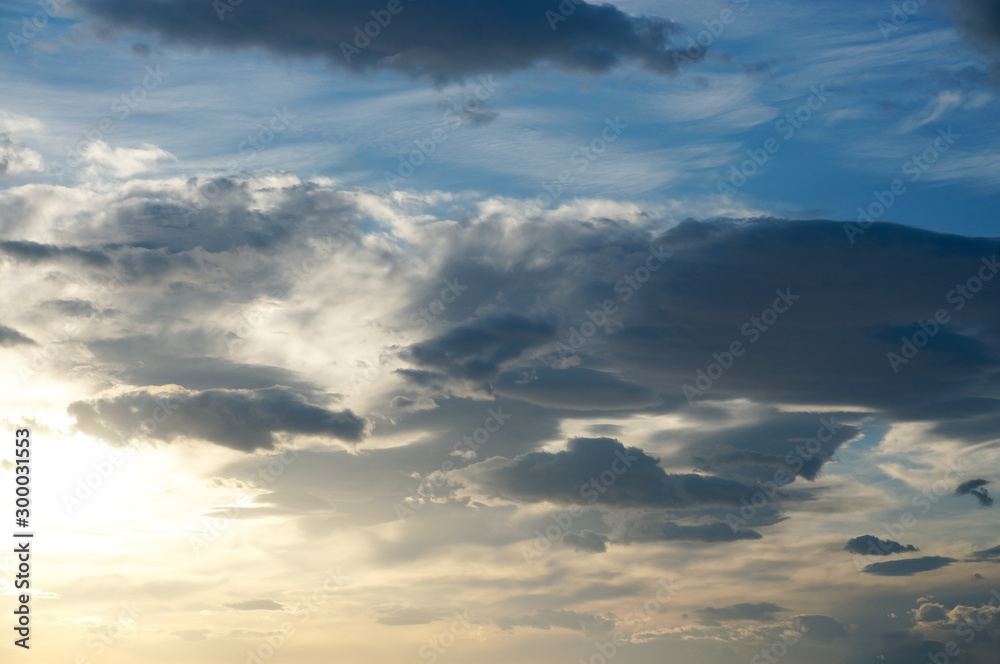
(538,331)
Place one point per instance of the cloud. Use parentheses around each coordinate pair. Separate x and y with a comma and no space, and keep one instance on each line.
(124,162)
(256,605)
(980,20)
(405,615)
(240,419)
(821,628)
(976,488)
(588,541)
(477,348)
(988,554)
(192,634)
(755,611)
(16,158)
(651,526)
(588,623)
(440,39)
(908,567)
(35,253)
(872,545)
(601,469)
(11,337)
(573,388)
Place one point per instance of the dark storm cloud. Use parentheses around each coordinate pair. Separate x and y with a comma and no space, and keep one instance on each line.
(440,39)
(11,337)
(976,488)
(255,605)
(980,20)
(869,544)
(602,469)
(573,388)
(35,253)
(587,623)
(908,567)
(831,347)
(240,419)
(756,611)
(478,348)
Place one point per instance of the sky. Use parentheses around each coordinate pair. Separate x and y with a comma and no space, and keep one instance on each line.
(430,331)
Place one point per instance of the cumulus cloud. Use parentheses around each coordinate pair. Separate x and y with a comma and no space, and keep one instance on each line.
(440,39)
(16,158)
(240,419)
(872,545)
(908,567)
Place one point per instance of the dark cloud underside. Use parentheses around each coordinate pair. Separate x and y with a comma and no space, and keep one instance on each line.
(444,40)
